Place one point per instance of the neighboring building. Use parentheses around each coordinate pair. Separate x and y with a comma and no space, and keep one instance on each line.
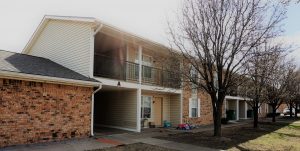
(42,101)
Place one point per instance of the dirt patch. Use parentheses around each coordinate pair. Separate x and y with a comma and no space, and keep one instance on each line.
(136,147)
(269,136)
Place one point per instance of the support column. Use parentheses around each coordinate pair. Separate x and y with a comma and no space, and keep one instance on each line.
(139,91)
(237,109)
(246,109)
(138,109)
(140,52)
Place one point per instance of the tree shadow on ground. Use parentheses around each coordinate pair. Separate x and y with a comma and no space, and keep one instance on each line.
(231,136)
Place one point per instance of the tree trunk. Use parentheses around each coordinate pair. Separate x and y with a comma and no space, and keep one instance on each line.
(217,119)
(273,114)
(291,110)
(255,117)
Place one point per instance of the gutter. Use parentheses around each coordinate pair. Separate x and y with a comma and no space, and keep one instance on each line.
(92,108)
(46,79)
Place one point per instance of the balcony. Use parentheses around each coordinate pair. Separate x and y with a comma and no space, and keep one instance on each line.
(114,68)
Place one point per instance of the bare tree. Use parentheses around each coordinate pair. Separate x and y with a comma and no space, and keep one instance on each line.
(277,83)
(217,37)
(293,92)
(257,72)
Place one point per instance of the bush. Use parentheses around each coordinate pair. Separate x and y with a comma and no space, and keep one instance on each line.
(224,120)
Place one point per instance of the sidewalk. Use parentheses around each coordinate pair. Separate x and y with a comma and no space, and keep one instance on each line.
(69,145)
(114,139)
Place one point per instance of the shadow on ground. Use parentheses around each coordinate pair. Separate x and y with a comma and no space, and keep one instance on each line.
(233,136)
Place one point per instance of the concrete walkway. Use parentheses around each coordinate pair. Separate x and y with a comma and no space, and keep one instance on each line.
(104,140)
(69,145)
(174,145)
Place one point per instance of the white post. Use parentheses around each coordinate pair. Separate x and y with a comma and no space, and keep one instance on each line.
(237,110)
(138,108)
(139,91)
(246,108)
(140,51)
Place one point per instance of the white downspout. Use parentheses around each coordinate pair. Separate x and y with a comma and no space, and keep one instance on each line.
(92,109)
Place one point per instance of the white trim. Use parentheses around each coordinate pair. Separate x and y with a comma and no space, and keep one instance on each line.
(181,108)
(117,127)
(237,109)
(246,109)
(140,54)
(92,45)
(190,107)
(124,84)
(47,79)
(199,110)
(138,108)
(236,98)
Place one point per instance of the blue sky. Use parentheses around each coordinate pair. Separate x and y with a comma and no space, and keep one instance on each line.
(20,18)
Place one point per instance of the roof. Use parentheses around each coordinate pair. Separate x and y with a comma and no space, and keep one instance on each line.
(96,23)
(27,64)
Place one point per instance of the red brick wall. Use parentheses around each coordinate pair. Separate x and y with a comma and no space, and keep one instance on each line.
(206,111)
(39,112)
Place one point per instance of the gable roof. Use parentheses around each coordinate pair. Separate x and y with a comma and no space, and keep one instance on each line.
(95,23)
(31,65)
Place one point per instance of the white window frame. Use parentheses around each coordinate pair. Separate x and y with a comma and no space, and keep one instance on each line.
(198,107)
(151,107)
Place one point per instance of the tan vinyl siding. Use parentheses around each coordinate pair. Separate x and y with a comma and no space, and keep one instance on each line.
(68,43)
(175,110)
(116,108)
(165,106)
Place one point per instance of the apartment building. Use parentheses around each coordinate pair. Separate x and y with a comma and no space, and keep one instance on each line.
(132,87)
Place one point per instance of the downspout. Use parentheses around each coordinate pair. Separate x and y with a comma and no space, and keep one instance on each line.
(98,89)
(92,109)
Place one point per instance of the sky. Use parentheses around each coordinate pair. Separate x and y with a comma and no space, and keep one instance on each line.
(20,18)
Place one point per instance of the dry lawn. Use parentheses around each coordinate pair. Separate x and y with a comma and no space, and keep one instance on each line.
(284,135)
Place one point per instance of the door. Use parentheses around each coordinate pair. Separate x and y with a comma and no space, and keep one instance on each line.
(157,105)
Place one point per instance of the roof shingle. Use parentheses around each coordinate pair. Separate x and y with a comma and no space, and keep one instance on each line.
(22,63)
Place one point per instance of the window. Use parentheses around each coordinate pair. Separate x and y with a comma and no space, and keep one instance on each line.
(194,105)
(147,72)
(146,107)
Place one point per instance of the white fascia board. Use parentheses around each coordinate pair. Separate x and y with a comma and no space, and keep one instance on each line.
(236,98)
(161,89)
(113,82)
(47,79)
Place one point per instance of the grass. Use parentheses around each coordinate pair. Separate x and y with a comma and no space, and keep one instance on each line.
(135,147)
(282,135)
(285,138)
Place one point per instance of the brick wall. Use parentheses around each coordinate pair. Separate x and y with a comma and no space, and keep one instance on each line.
(33,112)
(206,111)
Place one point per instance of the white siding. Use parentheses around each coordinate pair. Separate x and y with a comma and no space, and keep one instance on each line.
(175,110)
(116,108)
(68,43)
(166,108)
